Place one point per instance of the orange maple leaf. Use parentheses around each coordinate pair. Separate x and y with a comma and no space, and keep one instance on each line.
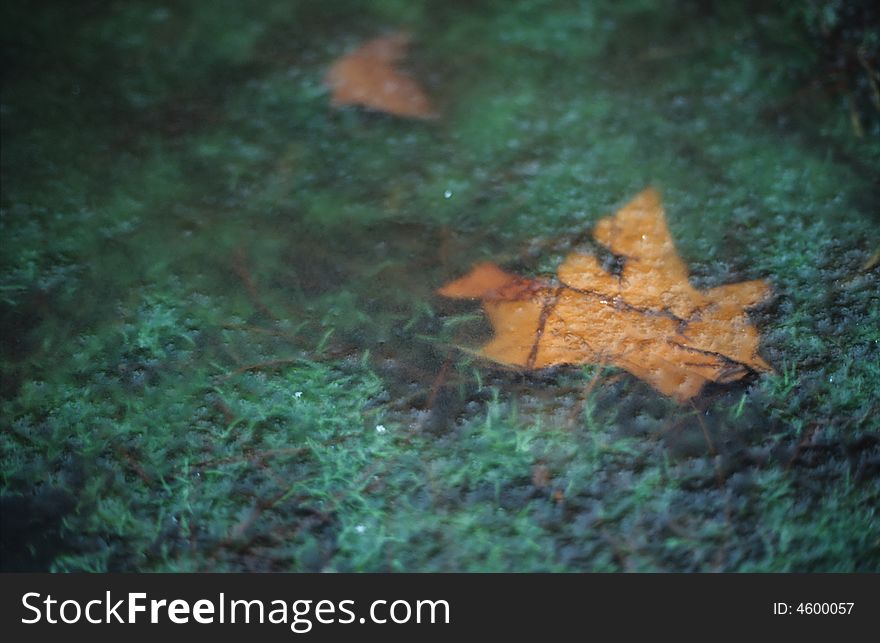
(648,320)
(368,77)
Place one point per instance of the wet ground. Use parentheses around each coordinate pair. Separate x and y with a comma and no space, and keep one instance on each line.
(222,344)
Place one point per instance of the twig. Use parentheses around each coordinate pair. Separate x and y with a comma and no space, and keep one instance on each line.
(438,383)
(260,366)
(582,399)
(259,329)
(719,478)
(709,443)
(240,267)
(134,465)
(228,414)
(255,457)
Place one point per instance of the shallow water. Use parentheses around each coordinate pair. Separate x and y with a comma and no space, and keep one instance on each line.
(216,287)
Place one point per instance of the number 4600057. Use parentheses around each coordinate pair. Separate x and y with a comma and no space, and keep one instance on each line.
(824,608)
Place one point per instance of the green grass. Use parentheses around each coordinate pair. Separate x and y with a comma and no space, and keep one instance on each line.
(222,348)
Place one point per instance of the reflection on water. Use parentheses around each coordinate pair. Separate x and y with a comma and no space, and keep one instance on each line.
(217,287)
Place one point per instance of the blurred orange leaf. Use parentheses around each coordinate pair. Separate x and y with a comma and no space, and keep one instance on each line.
(368,76)
(648,320)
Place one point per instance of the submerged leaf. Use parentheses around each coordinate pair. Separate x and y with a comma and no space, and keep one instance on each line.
(648,320)
(368,77)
